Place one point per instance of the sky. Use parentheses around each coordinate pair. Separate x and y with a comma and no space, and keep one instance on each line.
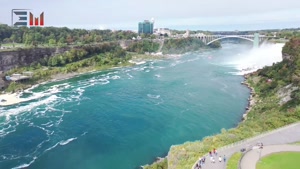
(212,15)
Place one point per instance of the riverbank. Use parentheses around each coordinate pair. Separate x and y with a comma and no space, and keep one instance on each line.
(184,153)
(11,98)
(253,97)
(263,113)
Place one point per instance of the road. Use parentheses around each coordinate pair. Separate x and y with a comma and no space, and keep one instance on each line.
(250,159)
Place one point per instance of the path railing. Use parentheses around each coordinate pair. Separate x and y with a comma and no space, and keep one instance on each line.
(239,163)
(263,134)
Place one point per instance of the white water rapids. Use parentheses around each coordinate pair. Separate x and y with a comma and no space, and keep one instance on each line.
(256,58)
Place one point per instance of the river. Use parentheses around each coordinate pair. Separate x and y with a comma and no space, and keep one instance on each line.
(125,117)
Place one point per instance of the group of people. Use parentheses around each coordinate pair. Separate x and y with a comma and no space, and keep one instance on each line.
(200,163)
(215,153)
(212,154)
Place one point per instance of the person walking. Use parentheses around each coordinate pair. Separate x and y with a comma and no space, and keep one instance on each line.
(215,152)
(200,162)
(220,159)
(224,158)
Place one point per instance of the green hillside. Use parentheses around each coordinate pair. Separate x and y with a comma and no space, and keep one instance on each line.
(276,99)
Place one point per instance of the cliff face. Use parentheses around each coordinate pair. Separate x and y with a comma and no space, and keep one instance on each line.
(24,57)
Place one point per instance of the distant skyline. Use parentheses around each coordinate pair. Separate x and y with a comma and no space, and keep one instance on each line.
(212,15)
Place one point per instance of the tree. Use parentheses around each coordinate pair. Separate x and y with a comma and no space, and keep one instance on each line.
(34,43)
(215,44)
(98,38)
(38,37)
(44,34)
(7,40)
(53,61)
(152,36)
(61,60)
(13,38)
(69,39)
(52,41)
(38,66)
(28,39)
(62,40)
(49,62)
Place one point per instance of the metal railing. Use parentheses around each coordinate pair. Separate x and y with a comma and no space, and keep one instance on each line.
(263,134)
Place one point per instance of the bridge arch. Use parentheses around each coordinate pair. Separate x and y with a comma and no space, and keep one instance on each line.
(224,37)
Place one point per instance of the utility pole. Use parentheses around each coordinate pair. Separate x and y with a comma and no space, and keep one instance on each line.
(259,154)
(260,149)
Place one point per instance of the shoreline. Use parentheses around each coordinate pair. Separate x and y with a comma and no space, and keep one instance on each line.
(12,98)
(251,100)
(136,61)
(157,161)
(8,99)
(251,103)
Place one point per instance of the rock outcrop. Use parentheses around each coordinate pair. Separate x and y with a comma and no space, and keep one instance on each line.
(26,56)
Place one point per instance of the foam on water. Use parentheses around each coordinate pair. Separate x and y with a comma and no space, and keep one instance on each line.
(25,165)
(29,90)
(38,95)
(28,107)
(255,59)
(64,142)
(181,60)
(115,77)
(153,96)
(83,134)
(52,147)
(137,62)
(130,76)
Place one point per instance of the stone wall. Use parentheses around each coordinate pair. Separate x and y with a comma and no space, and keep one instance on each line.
(24,57)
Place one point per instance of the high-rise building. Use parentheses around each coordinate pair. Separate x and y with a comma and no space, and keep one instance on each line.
(146,27)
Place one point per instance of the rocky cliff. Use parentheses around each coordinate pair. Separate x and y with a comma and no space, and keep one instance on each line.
(24,57)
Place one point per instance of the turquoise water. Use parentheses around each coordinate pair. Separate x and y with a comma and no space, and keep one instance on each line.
(124,117)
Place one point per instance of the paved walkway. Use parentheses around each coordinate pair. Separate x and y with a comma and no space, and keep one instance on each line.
(284,135)
(252,157)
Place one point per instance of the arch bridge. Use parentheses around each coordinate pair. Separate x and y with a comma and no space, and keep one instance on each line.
(208,39)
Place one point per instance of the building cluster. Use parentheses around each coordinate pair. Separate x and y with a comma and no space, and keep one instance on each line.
(147,27)
(162,31)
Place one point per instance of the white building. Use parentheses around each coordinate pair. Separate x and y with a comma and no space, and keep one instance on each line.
(162,31)
(187,34)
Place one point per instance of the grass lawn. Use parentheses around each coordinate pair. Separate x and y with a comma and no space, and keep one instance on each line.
(297,143)
(234,161)
(284,160)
